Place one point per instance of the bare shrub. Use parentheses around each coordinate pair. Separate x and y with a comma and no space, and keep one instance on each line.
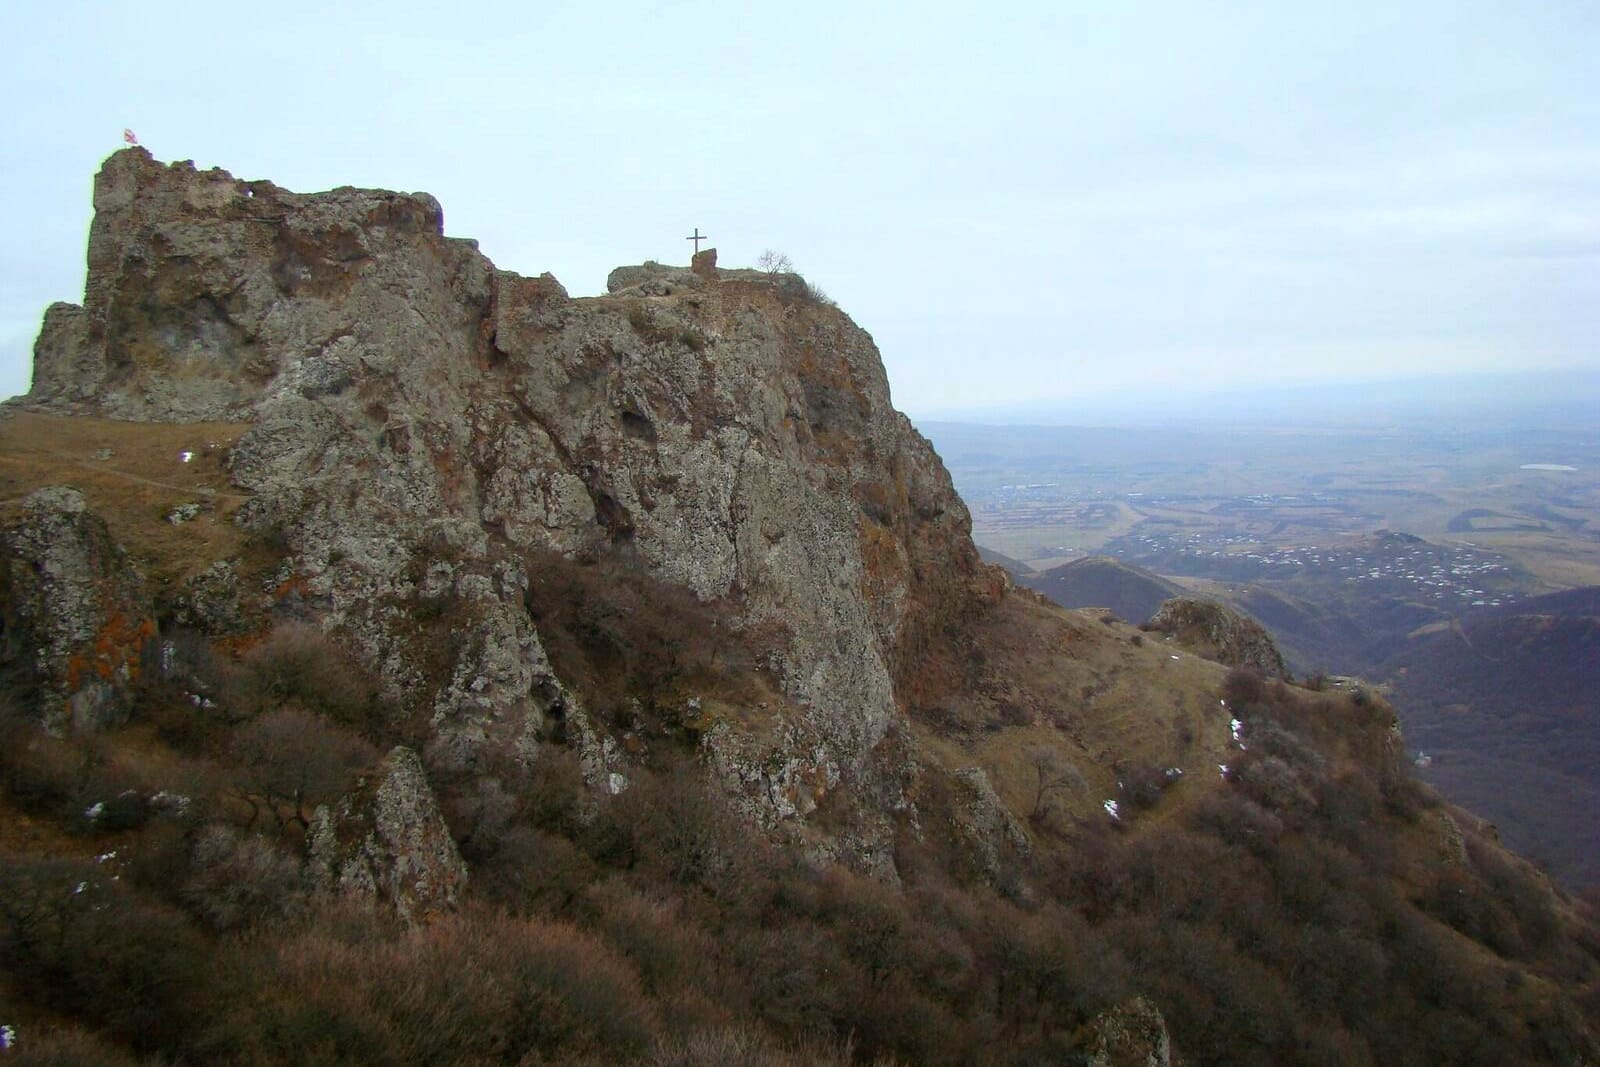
(1239,821)
(1270,738)
(745,1046)
(300,665)
(1052,776)
(817,295)
(58,1047)
(617,634)
(1275,785)
(39,771)
(1458,900)
(1405,796)
(1141,785)
(180,721)
(1520,890)
(290,760)
(238,879)
(871,922)
(1243,687)
(554,794)
(683,829)
(469,988)
(86,945)
(1011,713)
(774,263)
(676,958)
(531,871)
(796,977)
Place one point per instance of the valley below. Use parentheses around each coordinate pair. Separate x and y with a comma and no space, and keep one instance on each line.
(1450,560)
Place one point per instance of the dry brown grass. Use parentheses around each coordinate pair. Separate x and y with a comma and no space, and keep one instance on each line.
(1065,682)
(136,484)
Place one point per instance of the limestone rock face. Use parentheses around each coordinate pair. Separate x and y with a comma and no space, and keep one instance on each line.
(388,840)
(199,286)
(1132,1034)
(75,620)
(653,279)
(422,421)
(986,824)
(1220,633)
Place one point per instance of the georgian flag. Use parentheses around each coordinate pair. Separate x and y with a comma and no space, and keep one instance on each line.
(128,137)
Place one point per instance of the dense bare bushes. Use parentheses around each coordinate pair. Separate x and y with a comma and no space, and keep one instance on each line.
(238,879)
(469,988)
(638,647)
(289,761)
(87,946)
(1271,918)
(297,664)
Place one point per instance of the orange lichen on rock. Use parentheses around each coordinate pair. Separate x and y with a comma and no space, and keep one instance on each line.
(115,652)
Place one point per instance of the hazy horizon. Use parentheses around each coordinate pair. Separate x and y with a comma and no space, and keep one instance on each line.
(1569,397)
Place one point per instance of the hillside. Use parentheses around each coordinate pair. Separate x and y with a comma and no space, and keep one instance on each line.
(404,661)
(1502,704)
(1133,593)
(1310,639)
(1506,705)
(1015,566)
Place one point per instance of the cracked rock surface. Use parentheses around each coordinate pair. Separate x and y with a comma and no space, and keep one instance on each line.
(421,420)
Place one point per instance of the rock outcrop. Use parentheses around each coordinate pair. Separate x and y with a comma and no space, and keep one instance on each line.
(388,841)
(985,824)
(1132,1034)
(422,421)
(1220,633)
(76,623)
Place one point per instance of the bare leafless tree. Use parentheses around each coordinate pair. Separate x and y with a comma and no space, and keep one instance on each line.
(775,262)
(1052,775)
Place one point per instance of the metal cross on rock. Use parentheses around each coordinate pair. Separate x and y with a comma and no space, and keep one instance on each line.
(697,237)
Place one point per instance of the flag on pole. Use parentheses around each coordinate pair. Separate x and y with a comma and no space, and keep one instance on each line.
(128,136)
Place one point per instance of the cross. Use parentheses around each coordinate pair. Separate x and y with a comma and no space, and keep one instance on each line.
(697,237)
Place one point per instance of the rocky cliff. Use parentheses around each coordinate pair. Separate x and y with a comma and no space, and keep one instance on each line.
(706,727)
(420,421)
(1220,633)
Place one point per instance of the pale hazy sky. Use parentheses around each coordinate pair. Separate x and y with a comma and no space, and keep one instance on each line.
(1021,201)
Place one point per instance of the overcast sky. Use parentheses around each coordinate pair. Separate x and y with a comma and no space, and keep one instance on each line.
(1022,202)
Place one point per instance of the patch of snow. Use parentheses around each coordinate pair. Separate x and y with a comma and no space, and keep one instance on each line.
(185,456)
(8,1036)
(1223,769)
(1234,727)
(1177,657)
(616,783)
(80,887)
(1112,809)
(95,810)
(105,856)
